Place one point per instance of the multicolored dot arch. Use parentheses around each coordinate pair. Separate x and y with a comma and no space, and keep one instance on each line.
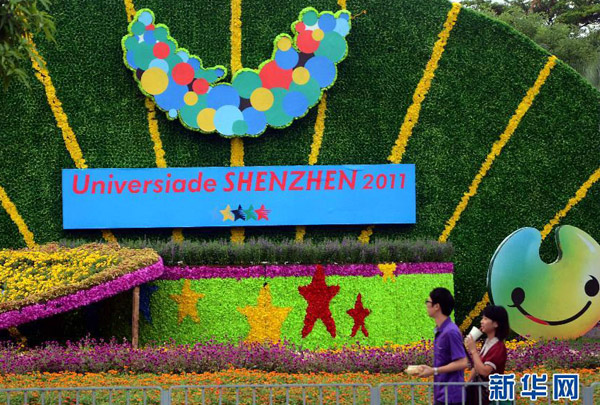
(281,90)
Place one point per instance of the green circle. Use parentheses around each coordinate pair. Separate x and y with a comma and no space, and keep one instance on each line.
(276,116)
(143,56)
(210,75)
(172,46)
(311,90)
(131,43)
(138,28)
(333,47)
(246,82)
(161,34)
(173,60)
(189,113)
(240,127)
(310,18)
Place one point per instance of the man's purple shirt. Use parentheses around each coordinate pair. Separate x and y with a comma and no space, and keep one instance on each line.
(448,347)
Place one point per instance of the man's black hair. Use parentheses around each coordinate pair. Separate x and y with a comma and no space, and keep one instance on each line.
(442,296)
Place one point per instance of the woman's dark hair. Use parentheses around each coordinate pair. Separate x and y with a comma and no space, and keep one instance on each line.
(499,315)
(442,296)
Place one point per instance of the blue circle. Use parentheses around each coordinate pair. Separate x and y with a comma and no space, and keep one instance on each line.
(172,97)
(194,63)
(145,18)
(149,37)
(286,59)
(327,22)
(183,55)
(219,72)
(342,27)
(225,118)
(221,95)
(160,63)
(130,59)
(322,70)
(295,104)
(172,113)
(256,120)
(345,16)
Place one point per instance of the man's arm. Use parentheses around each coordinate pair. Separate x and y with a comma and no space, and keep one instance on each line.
(456,365)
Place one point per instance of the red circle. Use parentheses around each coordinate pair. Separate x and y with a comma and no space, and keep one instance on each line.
(150,27)
(161,50)
(183,74)
(306,43)
(200,86)
(300,27)
(272,75)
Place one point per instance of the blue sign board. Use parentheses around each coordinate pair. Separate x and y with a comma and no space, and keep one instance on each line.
(238,196)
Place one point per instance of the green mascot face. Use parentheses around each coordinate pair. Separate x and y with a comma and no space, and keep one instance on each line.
(557,300)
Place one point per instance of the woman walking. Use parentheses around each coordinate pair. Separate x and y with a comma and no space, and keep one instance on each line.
(492,357)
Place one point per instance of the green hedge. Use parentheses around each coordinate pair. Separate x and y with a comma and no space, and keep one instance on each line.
(484,73)
(261,250)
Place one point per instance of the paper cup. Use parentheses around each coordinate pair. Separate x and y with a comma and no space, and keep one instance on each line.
(475,333)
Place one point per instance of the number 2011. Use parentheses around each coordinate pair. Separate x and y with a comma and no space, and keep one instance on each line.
(381,181)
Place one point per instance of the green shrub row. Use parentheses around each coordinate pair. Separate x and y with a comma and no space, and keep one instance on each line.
(261,250)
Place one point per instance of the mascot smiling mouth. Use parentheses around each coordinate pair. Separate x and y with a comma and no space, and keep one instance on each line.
(518,296)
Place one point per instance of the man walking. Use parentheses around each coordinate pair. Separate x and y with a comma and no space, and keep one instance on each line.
(449,356)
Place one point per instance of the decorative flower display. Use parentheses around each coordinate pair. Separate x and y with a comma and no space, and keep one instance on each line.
(265,320)
(359,313)
(318,295)
(281,90)
(209,356)
(312,306)
(49,280)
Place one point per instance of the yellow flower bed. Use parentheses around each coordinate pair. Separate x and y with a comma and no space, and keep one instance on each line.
(44,272)
(27,272)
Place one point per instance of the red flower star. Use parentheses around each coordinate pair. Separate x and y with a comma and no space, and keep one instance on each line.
(359,313)
(318,295)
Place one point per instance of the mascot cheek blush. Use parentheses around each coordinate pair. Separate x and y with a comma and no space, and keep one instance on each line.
(558,300)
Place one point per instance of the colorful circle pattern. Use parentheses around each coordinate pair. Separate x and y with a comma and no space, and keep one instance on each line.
(282,89)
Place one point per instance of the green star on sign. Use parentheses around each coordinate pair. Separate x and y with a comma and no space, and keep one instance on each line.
(250,214)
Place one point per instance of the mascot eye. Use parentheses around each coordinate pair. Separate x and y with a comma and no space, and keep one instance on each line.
(518,296)
(592,287)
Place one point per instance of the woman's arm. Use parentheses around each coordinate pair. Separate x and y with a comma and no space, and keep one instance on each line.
(483,370)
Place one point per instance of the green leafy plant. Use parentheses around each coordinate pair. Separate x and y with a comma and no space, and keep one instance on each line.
(19,19)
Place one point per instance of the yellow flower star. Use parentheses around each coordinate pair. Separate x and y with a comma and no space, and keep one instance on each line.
(265,320)
(387,271)
(227,213)
(186,302)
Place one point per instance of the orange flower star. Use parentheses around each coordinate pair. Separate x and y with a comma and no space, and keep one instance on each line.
(186,302)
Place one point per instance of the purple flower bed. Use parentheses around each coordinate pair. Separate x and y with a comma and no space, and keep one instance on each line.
(300,270)
(93,356)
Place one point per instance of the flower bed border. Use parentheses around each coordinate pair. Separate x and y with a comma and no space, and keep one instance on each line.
(131,260)
(300,270)
(82,297)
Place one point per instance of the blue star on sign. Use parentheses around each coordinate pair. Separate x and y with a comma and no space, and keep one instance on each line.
(239,214)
